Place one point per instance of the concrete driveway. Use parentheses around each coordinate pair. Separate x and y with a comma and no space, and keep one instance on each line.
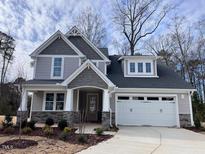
(147,140)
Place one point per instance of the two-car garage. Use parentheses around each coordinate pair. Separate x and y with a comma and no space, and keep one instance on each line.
(149,110)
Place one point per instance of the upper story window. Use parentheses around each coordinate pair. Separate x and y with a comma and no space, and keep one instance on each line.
(140,67)
(148,67)
(57,67)
(132,67)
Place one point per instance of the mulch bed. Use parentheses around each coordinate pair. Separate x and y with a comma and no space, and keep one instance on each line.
(18,144)
(196,129)
(92,139)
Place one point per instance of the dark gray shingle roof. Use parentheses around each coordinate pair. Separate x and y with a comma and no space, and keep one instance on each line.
(167,78)
(104,51)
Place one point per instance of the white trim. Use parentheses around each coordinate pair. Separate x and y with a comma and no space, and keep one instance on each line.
(88,42)
(31,107)
(54,100)
(140,57)
(52,68)
(147,95)
(79,63)
(87,87)
(151,90)
(65,56)
(50,40)
(190,109)
(177,112)
(86,64)
(77,106)
(69,100)
(34,68)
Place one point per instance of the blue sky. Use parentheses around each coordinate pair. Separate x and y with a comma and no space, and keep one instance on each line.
(31,22)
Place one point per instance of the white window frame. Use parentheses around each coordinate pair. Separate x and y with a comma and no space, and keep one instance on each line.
(54,101)
(144,73)
(62,68)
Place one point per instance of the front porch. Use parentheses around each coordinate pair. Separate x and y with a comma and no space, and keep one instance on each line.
(68,104)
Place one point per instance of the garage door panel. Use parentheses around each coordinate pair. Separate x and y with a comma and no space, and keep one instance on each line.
(156,113)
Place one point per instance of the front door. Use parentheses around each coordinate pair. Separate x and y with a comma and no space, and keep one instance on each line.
(92,107)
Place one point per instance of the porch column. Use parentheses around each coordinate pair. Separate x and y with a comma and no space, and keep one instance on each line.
(69,100)
(106,101)
(23,105)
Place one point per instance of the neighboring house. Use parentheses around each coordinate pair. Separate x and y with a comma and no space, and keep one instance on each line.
(73,75)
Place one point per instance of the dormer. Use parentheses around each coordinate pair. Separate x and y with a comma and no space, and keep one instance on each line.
(139,66)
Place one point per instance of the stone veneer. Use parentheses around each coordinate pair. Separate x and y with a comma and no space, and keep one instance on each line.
(24,116)
(185,120)
(41,116)
(106,119)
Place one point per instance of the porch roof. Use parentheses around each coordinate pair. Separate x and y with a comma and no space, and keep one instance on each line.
(40,81)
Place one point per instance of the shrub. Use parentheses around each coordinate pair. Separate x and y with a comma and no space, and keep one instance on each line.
(26,130)
(62,124)
(7,121)
(99,131)
(67,130)
(9,130)
(47,130)
(31,124)
(197,122)
(49,122)
(63,136)
(82,139)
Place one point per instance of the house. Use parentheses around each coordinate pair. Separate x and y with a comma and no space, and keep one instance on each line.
(72,75)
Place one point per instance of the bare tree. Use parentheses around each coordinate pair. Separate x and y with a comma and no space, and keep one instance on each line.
(121,47)
(92,25)
(6,50)
(182,41)
(138,18)
(161,46)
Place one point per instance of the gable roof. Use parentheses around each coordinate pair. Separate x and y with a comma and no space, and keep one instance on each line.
(52,39)
(167,77)
(74,31)
(87,64)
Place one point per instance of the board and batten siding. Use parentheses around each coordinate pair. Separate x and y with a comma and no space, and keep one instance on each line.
(101,67)
(70,65)
(43,67)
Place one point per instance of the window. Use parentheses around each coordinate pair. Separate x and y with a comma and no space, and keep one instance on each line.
(167,98)
(49,101)
(54,101)
(152,98)
(148,67)
(138,98)
(140,67)
(132,67)
(59,101)
(57,67)
(123,98)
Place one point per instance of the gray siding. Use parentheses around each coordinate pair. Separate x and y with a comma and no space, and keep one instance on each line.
(88,78)
(43,68)
(37,101)
(183,104)
(101,66)
(58,47)
(70,65)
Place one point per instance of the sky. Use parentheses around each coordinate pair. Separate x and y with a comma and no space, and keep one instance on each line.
(31,22)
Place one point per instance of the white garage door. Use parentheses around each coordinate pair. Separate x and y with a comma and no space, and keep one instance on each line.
(146,110)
